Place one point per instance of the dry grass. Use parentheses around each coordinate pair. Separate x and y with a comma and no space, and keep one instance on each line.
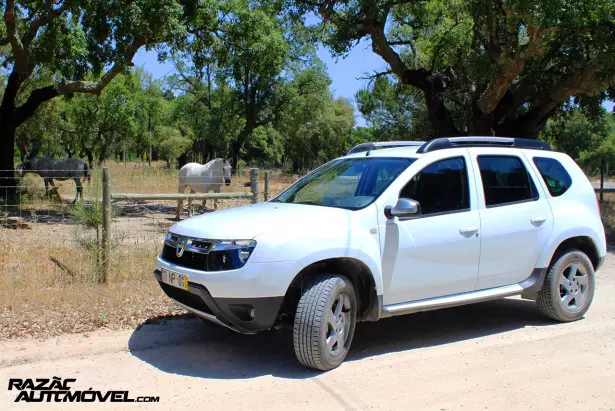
(607,209)
(48,261)
(47,284)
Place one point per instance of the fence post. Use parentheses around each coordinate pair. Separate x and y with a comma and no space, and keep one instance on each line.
(254,185)
(267,181)
(106,225)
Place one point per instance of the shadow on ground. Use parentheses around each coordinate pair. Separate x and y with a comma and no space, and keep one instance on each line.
(193,348)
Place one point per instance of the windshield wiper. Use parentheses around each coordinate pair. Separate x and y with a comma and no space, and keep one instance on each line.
(307,202)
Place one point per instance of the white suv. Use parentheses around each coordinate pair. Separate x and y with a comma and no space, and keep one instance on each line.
(391,229)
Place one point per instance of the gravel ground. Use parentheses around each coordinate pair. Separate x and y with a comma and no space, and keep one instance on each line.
(495,355)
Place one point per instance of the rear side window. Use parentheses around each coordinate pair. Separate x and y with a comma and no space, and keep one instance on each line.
(505,180)
(554,174)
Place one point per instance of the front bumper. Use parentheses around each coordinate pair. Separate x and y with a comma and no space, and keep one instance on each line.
(244,315)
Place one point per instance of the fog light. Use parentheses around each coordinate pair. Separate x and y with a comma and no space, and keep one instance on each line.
(243,312)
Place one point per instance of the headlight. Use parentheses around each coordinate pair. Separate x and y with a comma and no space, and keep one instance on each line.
(230,254)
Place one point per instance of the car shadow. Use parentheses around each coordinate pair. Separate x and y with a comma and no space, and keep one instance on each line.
(193,348)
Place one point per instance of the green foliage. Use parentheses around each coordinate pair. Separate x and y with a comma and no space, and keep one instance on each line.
(171,143)
(575,132)
(601,153)
(265,144)
(395,111)
(87,214)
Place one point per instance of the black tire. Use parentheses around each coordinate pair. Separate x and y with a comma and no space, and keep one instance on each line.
(316,323)
(567,301)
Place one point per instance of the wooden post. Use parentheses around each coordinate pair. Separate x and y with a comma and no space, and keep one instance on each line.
(106,226)
(267,181)
(254,185)
(601,181)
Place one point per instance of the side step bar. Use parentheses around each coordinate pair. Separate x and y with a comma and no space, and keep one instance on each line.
(532,284)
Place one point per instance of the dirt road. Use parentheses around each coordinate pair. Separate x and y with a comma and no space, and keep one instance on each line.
(495,355)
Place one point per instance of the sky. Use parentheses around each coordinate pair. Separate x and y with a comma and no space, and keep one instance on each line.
(344,72)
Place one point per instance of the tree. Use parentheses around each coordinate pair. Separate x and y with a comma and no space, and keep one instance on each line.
(171,143)
(151,108)
(395,111)
(573,131)
(244,50)
(253,52)
(72,40)
(483,67)
(208,107)
(315,126)
(602,152)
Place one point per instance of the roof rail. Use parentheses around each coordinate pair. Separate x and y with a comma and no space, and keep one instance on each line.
(453,142)
(383,144)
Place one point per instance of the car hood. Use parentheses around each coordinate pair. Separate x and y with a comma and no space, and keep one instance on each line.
(247,222)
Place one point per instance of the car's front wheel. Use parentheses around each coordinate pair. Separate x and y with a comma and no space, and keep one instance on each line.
(324,322)
(568,289)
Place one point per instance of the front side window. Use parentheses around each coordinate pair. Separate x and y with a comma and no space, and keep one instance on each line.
(505,180)
(440,187)
(350,183)
(554,175)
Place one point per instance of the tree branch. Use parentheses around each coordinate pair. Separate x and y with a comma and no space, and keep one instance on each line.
(510,60)
(376,75)
(381,46)
(43,20)
(17,47)
(588,81)
(400,43)
(39,96)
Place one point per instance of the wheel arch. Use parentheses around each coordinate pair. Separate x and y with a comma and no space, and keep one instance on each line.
(582,243)
(357,271)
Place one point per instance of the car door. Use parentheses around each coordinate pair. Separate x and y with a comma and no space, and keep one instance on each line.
(437,253)
(515,216)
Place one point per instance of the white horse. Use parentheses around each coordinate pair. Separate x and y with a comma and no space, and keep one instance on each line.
(203,179)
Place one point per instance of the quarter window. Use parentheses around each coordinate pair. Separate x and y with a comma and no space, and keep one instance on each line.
(505,180)
(440,187)
(554,174)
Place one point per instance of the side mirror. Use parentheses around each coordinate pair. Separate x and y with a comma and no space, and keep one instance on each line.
(405,208)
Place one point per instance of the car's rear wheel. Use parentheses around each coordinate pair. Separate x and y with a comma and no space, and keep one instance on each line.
(568,290)
(324,322)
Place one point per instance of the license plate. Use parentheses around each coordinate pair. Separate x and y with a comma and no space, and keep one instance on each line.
(175,279)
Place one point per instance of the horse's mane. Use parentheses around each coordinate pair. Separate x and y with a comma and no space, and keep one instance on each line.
(213,161)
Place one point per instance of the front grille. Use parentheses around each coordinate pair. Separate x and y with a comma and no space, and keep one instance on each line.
(185,297)
(189,259)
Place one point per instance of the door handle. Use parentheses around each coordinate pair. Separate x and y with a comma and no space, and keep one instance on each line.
(468,231)
(537,221)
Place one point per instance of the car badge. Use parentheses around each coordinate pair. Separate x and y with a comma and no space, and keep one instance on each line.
(181,246)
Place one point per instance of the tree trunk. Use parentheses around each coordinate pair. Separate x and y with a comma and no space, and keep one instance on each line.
(90,155)
(8,183)
(235,148)
(237,144)
(8,125)
(442,124)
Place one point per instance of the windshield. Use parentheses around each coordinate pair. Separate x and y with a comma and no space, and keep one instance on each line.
(350,183)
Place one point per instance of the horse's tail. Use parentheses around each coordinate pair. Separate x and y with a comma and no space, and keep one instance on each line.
(86,172)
